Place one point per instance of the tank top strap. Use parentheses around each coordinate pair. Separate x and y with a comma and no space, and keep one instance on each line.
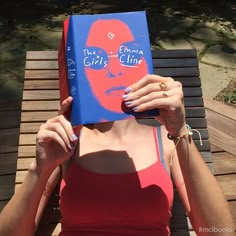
(159,146)
(73,157)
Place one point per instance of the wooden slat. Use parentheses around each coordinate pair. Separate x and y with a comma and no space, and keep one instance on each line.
(222,140)
(181,62)
(224,163)
(41,84)
(9,119)
(8,163)
(41,65)
(206,156)
(30,127)
(220,108)
(53,84)
(197,123)
(177,72)
(203,148)
(192,91)
(9,104)
(41,55)
(27,139)
(189,81)
(26,151)
(7,186)
(37,116)
(173,72)
(24,163)
(174,53)
(3,204)
(222,123)
(20,176)
(197,112)
(215,149)
(41,74)
(30,139)
(193,102)
(9,140)
(54,104)
(40,105)
(40,94)
(228,185)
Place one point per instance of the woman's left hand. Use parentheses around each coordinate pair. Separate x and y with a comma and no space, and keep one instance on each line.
(163,93)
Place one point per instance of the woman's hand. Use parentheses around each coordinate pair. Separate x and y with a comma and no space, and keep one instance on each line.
(163,93)
(56,140)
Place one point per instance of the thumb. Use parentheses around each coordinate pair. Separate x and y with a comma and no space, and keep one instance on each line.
(65,105)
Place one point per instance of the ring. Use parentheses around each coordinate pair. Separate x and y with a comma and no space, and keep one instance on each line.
(163,86)
(165,94)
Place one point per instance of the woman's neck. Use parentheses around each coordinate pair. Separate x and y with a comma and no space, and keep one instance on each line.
(115,130)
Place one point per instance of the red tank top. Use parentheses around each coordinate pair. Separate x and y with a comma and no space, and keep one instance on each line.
(136,203)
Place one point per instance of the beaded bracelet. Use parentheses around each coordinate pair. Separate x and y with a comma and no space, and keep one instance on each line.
(176,139)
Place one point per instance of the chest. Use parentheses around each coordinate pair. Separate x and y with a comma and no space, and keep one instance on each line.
(118,157)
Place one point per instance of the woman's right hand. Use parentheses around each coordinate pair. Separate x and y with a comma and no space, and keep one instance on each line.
(56,140)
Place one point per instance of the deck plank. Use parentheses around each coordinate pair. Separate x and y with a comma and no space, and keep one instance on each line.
(223,123)
(228,185)
(220,108)
(9,140)
(224,163)
(46,105)
(222,139)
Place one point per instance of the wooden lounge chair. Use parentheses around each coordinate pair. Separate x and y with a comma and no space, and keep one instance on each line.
(41,101)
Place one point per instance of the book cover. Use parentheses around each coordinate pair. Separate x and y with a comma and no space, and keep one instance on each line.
(105,54)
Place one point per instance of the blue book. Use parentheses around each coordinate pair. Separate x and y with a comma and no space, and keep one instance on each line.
(105,54)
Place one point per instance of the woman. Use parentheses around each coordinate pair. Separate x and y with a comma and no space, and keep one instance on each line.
(116,176)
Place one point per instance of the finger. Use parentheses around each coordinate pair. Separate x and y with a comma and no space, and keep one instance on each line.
(171,101)
(151,87)
(135,101)
(65,124)
(146,90)
(68,128)
(151,91)
(147,80)
(65,106)
(46,136)
(59,129)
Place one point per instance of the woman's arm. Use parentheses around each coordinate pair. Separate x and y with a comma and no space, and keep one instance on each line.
(19,215)
(55,144)
(205,201)
(199,189)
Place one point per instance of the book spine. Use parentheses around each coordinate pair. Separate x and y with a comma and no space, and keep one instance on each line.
(73,74)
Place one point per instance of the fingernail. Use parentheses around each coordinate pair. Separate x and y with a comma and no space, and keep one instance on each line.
(128,89)
(128,103)
(74,137)
(135,108)
(125,96)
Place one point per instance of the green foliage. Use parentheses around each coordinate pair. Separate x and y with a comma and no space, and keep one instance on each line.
(230,97)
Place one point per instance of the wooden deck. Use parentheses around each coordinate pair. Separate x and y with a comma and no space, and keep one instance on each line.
(221,120)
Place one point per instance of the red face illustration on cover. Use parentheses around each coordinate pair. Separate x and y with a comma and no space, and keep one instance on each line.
(112,61)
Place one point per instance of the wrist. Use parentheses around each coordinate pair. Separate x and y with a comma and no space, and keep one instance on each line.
(39,170)
(176,135)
